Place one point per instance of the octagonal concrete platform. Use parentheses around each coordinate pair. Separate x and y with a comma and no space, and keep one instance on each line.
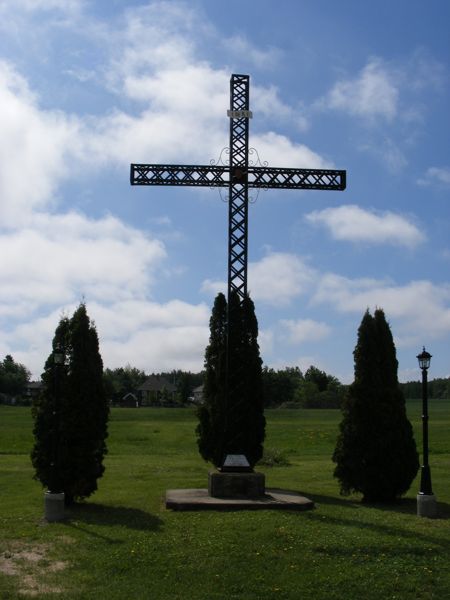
(273,499)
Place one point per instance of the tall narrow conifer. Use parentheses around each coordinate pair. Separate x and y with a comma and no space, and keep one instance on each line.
(76,390)
(47,412)
(211,414)
(254,422)
(375,453)
(231,421)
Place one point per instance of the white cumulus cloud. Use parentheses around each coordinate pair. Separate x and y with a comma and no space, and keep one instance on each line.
(145,334)
(438,177)
(278,278)
(421,309)
(35,147)
(354,224)
(280,151)
(373,93)
(305,330)
(60,256)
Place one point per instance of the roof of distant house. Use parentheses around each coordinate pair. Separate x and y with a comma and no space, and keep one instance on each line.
(156,383)
(35,385)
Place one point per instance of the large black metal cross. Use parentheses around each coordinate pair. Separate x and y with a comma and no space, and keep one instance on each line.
(238,176)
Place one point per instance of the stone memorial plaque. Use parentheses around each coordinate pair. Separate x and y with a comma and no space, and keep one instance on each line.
(236,462)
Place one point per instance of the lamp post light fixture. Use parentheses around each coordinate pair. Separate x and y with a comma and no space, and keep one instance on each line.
(54,497)
(426,500)
(58,355)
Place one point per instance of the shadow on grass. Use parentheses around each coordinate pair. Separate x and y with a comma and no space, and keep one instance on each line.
(404,505)
(333,500)
(409,506)
(103,515)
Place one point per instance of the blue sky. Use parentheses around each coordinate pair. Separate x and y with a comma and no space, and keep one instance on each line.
(86,88)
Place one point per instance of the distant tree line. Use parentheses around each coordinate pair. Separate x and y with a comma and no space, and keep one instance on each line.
(14,379)
(287,387)
(290,388)
(437,388)
(121,381)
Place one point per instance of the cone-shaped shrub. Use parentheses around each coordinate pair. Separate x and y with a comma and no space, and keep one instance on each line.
(376,453)
(231,421)
(75,392)
(211,414)
(47,414)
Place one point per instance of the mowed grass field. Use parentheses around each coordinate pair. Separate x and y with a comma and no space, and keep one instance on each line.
(122,543)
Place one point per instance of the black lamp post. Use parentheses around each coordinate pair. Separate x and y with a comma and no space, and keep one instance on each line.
(426,502)
(425,475)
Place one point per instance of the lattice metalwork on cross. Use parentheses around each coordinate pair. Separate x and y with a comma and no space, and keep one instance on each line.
(238,176)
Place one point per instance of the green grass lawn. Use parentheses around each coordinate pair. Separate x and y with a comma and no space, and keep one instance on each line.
(122,543)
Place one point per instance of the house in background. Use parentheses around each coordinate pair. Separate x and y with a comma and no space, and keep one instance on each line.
(26,397)
(157,391)
(33,390)
(130,400)
(197,395)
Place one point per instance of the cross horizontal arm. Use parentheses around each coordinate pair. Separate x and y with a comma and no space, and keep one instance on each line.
(209,176)
(304,179)
(219,176)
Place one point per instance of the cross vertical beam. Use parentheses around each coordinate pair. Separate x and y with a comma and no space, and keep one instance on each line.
(237,252)
(238,185)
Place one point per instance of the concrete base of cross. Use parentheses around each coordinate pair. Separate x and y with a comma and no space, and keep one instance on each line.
(273,499)
(236,485)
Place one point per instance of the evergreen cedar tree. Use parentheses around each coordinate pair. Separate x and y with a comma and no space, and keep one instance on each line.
(72,403)
(232,423)
(376,453)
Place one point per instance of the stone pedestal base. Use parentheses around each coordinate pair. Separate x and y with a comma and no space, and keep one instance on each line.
(54,506)
(273,499)
(236,485)
(426,505)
